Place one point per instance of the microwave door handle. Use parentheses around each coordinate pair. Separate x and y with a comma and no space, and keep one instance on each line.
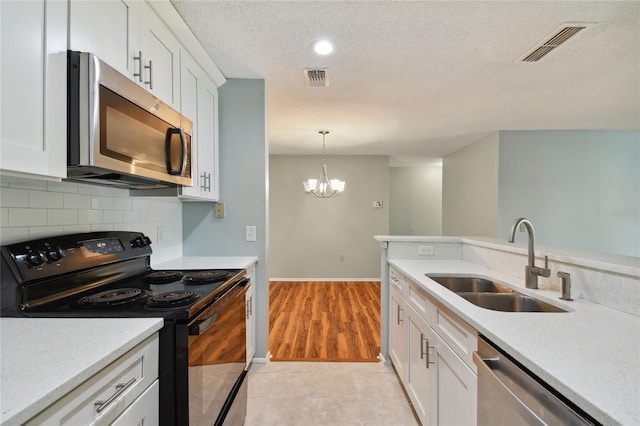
(183,150)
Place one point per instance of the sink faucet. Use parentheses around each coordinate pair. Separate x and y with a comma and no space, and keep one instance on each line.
(531,271)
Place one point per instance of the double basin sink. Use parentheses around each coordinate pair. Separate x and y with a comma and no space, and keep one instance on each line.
(491,295)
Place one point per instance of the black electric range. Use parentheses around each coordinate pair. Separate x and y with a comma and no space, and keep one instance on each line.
(108,274)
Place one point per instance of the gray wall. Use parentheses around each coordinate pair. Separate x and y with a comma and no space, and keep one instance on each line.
(580,189)
(470,190)
(309,234)
(243,172)
(415,200)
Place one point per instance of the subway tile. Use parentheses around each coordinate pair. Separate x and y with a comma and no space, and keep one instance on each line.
(39,185)
(36,232)
(77,229)
(102,227)
(112,216)
(14,235)
(45,200)
(4,217)
(77,201)
(101,203)
(62,217)
(12,197)
(122,203)
(102,190)
(89,217)
(62,186)
(27,217)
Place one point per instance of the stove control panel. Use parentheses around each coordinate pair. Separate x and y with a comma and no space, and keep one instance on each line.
(48,257)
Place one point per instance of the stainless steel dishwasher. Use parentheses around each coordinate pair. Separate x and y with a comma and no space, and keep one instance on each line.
(508,395)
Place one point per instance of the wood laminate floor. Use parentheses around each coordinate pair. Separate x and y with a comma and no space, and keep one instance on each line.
(324,321)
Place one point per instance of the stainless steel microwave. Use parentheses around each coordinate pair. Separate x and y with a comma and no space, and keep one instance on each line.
(119,134)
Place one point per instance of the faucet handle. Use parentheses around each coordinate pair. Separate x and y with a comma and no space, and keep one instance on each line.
(545,272)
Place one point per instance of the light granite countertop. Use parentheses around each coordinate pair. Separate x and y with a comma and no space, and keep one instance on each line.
(42,359)
(590,354)
(205,262)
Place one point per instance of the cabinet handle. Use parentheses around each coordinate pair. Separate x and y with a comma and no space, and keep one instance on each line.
(150,68)
(206,182)
(251,306)
(139,59)
(120,389)
(208,189)
(246,310)
(399,319)
(427,353)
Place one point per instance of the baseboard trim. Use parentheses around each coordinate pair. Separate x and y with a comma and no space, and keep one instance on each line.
(264,360)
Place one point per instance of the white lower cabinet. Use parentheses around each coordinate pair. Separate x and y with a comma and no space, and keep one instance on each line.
(398,333)
(440,383)
(123,393)
(420,368)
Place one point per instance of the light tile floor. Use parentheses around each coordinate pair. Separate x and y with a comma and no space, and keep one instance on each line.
(326,393)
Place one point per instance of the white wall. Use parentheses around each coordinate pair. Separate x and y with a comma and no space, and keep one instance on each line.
(579,188)
(309,234)
(415,200)
(31,209)
(470,190)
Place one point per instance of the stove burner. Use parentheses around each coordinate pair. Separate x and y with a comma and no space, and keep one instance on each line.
(206,277)
(172,298)
(163,277)
(118,296)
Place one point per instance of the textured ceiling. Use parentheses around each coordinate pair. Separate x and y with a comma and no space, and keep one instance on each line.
(417,80)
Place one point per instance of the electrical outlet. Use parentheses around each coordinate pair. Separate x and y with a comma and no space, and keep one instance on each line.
(342,258)
(425,251)
(218,210)
(250,233)
(377,204)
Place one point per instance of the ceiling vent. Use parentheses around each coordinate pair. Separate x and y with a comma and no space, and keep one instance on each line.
(555,39)
(315,77)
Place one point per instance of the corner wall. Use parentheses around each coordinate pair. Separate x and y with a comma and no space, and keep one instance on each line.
(415,200)
(470,190)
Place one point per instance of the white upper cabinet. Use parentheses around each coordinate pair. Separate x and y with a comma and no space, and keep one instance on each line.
(131,38)
(199,103)
(33,135)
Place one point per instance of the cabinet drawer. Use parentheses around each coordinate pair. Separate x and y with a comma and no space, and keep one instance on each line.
(419,300)
(110,391)
(397,281)
(460,336)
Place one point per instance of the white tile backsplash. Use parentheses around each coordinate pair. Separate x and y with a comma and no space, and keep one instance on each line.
(31,209)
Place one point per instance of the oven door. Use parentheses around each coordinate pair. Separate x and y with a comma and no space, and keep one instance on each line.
(217,360)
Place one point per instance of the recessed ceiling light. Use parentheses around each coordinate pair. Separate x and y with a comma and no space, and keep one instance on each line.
(322,47)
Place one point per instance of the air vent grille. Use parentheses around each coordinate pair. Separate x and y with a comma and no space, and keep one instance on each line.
(561,35)
(316,77)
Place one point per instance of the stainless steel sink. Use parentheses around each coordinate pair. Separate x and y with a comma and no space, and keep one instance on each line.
(491,295)
(470,284)
(513,302)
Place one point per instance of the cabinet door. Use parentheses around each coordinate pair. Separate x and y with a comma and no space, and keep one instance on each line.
(398,333)
(160,57)
(251,320)
(457,387)
(108,29)
(420,367)
(33,136)
(199,103)
(208,133)
(144,411)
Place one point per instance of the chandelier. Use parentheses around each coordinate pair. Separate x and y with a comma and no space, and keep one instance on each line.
(323,187)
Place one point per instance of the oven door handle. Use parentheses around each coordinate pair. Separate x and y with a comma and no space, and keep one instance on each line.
(199,327)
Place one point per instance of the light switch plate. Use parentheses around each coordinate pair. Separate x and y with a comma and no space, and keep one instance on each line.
(425,251)
(250,233)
